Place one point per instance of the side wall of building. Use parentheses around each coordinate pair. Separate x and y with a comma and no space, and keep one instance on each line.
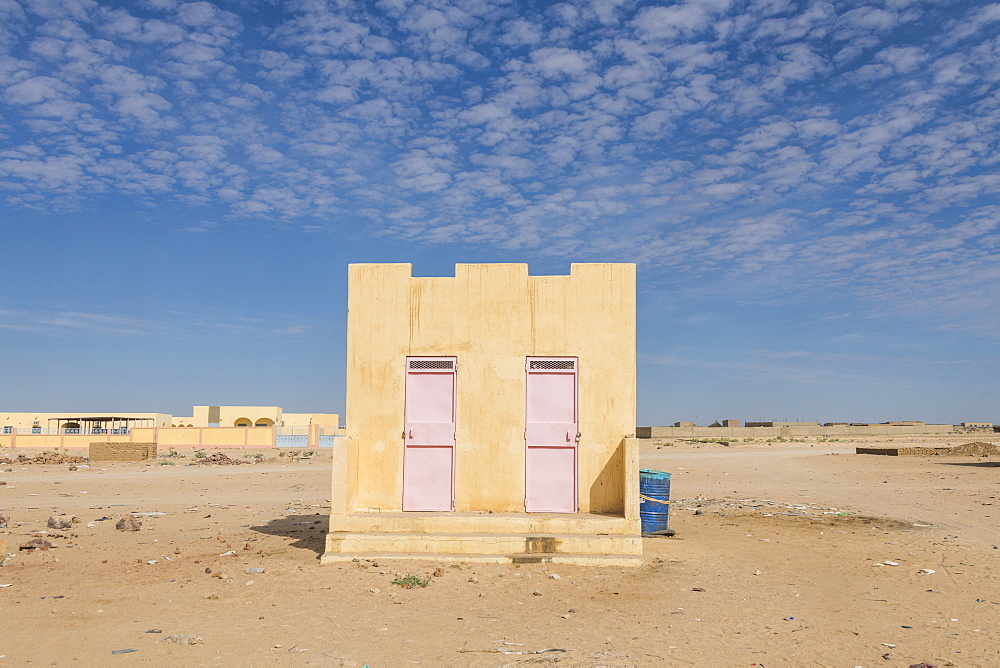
(490,317)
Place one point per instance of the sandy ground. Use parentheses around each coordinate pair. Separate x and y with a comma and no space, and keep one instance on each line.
(787,563)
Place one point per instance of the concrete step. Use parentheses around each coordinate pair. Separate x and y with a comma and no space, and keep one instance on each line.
(629,560)
(481,543)
(486,523)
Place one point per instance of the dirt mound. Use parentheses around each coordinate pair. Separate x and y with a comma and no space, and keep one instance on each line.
(220,459)
(44,458)
(974,449)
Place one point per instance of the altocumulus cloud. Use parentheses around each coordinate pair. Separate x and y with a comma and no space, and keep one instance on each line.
(843,146)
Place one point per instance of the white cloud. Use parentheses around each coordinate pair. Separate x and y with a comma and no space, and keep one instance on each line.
(678,134)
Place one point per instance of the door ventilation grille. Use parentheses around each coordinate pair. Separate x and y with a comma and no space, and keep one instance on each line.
(552,364)
(432,364)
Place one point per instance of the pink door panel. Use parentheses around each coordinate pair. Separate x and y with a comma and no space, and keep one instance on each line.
(550,480)
(555,433)
(550,435)
(427,478)
(429,434)
(551,396)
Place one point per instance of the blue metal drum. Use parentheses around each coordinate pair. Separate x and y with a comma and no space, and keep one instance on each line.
(654,500)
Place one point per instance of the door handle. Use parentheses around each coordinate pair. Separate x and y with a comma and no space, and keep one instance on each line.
(577,437)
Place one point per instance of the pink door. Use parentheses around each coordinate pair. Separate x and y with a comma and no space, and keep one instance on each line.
(429,434)
(550,435)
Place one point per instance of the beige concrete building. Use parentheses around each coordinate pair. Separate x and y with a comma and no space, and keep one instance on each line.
(208,426)
(253,416)
(490,416)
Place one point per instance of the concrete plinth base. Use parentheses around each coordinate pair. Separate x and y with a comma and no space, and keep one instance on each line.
(583,539)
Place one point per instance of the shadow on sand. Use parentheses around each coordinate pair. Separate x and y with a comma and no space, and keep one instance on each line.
(307,530)
(971,463)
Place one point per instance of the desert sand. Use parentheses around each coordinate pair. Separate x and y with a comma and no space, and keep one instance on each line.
(785,554)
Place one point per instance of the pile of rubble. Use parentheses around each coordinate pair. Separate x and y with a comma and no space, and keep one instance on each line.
(220,459)
(46,457)
(975,449)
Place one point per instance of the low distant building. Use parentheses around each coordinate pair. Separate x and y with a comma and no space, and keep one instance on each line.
(684,424)
(213,426)
(782,424)
(36,422)
(977,425)
(202,416)
(253,416)
(731,423)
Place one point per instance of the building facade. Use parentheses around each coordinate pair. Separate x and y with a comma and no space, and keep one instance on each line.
(490,392)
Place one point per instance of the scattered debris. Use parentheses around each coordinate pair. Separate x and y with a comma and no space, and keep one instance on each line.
(46,457)
(123,651)
(183,639)
(61,522)
(464,650)
(37,544)
(222,459)
(3,521)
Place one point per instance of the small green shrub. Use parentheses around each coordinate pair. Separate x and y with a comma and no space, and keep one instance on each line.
(411,581)
(199,454)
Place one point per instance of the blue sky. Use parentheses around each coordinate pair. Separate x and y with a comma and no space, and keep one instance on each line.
(809,189)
